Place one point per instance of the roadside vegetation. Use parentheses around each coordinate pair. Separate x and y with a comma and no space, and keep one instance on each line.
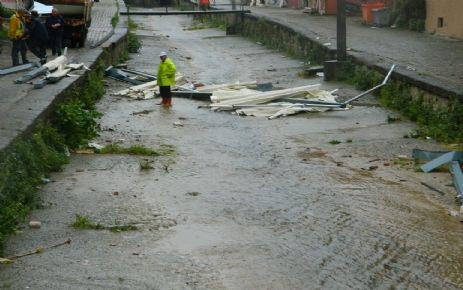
(115,18)
(84,223)
(28,161)
(163,150)
(409,14)
(442,122)
(205,22)
(4,13)
(133,43)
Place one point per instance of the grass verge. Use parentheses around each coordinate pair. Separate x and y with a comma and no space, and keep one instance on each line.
(441,120)
(84,223)
(164,150)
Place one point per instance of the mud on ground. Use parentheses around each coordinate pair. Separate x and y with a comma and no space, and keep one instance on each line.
(244,203)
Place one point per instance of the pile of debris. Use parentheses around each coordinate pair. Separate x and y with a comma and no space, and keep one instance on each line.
(247,98)
(251,102)
(53,71)
(437,159)
(147,90)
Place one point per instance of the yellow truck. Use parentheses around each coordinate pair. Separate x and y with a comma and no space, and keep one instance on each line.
(77,18)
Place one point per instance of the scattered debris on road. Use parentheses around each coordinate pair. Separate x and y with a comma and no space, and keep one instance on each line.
(439,158)
(35,224)
(247,98)
(147,90)
(18,68)
(37,250)
(130,76)
(53,71)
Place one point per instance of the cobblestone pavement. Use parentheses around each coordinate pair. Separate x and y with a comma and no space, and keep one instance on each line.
(101,28)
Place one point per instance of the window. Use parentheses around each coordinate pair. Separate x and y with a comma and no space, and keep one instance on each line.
(440,22)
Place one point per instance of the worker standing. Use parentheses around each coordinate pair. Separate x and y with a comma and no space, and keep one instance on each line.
(38,36)
(55,25)
(166,78)
(17,33)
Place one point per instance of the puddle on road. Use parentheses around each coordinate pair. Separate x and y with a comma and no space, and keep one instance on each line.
(265,218)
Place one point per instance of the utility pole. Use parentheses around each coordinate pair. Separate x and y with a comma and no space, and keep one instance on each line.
(341,30)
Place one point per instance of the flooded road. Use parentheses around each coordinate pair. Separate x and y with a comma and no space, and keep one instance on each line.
(245,203)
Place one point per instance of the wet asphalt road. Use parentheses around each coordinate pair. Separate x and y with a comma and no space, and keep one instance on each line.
(245,203)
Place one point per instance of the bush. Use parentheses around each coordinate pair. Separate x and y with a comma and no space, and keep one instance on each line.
(410,14)
(21,170)
(133,44)
(76,122)
(5,12)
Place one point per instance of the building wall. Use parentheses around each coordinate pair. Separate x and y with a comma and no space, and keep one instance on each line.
(445,17)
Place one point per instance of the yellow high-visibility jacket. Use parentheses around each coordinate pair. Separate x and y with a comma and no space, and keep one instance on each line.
(166,73)
(16,30)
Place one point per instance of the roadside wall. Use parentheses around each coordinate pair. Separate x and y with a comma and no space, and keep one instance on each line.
(444,17)
(283,38)
(143,3)
(437,109)
(277,36)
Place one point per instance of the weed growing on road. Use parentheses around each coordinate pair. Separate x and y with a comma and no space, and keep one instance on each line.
(132,150)
(132,25)
(84,223)
(334,142)
(115,19)
(122,228)
(205,22)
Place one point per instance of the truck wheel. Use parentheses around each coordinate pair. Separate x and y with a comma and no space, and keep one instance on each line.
(82,38)
(81,42)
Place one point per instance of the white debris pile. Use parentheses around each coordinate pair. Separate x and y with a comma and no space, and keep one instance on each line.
(273,104)
(147,90)
(230,86)
(57,69)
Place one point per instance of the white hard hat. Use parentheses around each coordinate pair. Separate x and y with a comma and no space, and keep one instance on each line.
(163,53)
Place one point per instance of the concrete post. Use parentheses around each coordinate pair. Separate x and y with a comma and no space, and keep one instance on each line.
(334,68)
(341,30)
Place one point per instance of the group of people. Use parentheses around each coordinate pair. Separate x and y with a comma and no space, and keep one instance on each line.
(27,31)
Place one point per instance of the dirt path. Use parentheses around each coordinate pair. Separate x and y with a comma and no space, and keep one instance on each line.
(245,203)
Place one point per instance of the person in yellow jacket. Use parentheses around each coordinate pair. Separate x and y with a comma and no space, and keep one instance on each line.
(166,78)
(17,33)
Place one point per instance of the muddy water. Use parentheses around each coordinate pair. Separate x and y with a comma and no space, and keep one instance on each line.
(245,203)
